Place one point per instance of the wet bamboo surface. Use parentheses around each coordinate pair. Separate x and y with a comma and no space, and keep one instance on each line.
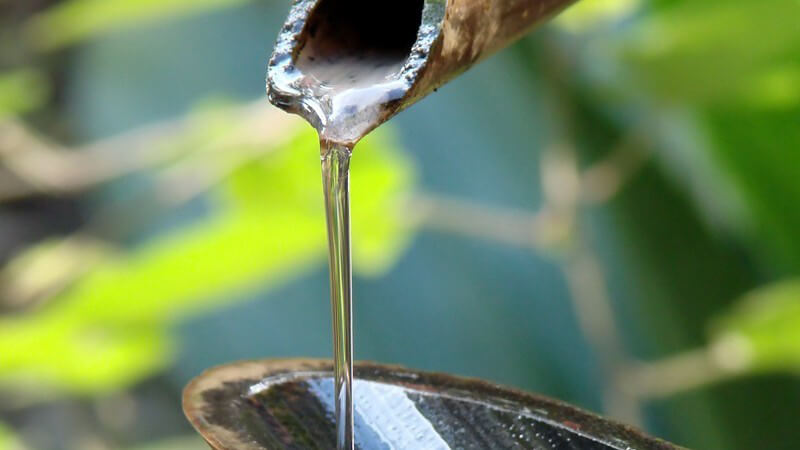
(471,30)
(447,37)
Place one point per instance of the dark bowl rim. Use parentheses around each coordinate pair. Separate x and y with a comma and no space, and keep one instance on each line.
(251,373)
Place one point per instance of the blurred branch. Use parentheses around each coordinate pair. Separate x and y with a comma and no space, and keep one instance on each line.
(602,181)
(586,281)
(261,130)
(42,166)
(592,307)
(566,190)
(565,187)
(513,227)
(569,189)
(672,375)
(554,227)
(553,230)
(46,167)
(46,269)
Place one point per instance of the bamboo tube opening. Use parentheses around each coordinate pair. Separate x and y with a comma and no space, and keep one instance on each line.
(347,66)
(359,32)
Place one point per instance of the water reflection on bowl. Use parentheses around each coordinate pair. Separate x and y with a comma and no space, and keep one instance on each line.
(288,404)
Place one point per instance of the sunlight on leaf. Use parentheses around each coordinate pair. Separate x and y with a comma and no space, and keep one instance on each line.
(762,332)
(380,179)
(199,267)
(47,354)
(590,13)
(705,52)
(776,88)
(75,20)
(21,91)
(8,441)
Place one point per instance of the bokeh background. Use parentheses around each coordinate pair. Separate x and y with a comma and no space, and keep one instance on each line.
(607,212)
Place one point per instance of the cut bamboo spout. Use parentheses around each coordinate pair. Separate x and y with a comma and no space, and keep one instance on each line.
(424,43)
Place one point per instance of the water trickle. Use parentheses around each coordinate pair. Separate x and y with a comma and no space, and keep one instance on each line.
(335,183)
(350,69)
(342,79)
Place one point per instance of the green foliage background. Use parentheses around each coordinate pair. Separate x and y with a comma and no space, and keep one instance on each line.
(690,111)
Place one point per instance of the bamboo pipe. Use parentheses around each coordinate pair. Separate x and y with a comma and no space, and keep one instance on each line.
(436,39)
(471,30)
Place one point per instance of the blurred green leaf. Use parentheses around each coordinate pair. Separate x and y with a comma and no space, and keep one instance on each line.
(48,354)
(762,332)
(109,328)
(759,151)
(21,91)
(588,14)
(379,177)
(75,20)
(381,181)
(7,439)
(716,82)
(776,88)
(707,52)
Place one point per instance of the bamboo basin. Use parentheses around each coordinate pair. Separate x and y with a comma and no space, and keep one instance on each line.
(288,404)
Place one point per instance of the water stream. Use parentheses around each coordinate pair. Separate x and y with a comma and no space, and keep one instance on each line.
(335,183)
(342,94)
(342,78)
